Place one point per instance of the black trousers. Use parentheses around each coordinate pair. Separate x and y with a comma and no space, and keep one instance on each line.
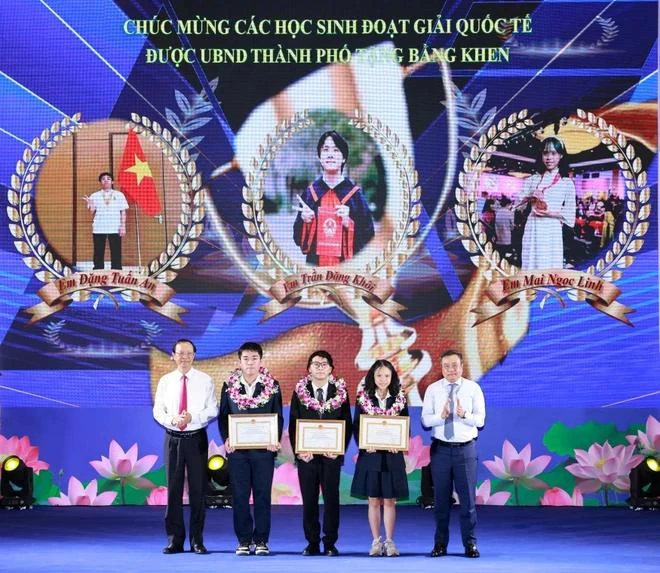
(186,451)
(251,471)
(99,250)
(324,473)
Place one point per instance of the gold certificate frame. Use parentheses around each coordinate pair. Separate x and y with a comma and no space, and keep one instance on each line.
(320,436)
(247,431)
(384,433)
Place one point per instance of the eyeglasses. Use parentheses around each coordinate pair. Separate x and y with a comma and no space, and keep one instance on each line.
(320,364)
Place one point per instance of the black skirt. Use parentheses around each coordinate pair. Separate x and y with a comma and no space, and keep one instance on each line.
(389,481)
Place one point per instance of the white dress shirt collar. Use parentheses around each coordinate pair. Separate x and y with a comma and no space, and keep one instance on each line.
(383,403)
(249,388)
(324,388)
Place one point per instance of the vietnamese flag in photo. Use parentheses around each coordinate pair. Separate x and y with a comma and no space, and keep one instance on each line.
(135,178)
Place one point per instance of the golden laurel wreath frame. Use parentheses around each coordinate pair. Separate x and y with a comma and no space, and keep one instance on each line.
(47,266)
(22,224)
(620,253)
(276,265)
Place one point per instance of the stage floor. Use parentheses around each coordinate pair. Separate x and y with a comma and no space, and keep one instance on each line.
(524,540)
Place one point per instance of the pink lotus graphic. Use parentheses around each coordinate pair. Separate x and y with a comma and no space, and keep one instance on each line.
(157,496)
(216,450)
(286,455)
(286,488)
(22,448)
(125,467)
(518,467)
(79,495)
(484,496)
(648,442)
(604,466)
(558,497)
(418,455)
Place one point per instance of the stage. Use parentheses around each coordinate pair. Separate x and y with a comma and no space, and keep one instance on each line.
(511,539)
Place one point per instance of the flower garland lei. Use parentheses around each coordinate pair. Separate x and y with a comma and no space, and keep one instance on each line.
(368,407)
(243,401)
(313,404)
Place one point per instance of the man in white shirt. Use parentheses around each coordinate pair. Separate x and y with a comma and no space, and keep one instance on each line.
(185,403)
(109,209)
(454,408)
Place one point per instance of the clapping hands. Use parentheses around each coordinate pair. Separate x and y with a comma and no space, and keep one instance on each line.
(460,411)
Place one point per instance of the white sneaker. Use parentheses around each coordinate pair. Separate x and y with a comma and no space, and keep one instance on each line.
(376,548)
(261,549)
(390,548)
(243,549)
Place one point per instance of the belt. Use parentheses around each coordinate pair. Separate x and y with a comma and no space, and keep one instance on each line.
(185,435)
(454,444)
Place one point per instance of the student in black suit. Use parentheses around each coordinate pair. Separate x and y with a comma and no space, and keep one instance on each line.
(320,395)
(251,390)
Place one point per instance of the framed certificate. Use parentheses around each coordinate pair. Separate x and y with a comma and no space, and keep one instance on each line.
(320,436)
(384,433)
(252,430)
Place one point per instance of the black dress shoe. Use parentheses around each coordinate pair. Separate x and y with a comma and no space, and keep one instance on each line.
(199,549)
(171,548)
(312,549)
(472,551)
(439,550)
(331,550)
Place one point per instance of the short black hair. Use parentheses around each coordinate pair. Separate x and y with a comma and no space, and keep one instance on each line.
(181,341)
(339,141)
(251,347)
(370,378)
(106,173)
(323,354)
(451,352)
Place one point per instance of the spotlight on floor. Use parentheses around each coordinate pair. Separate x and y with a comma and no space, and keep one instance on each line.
(218,488)
(645,485)
(16,484)
(427,499)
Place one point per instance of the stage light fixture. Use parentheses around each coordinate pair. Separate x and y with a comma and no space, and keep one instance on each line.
(427,499)
(16,484)
(218,489)
(216,463)
(645,485)
(11,463)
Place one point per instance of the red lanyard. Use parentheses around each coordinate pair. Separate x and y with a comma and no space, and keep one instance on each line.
(557,178)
